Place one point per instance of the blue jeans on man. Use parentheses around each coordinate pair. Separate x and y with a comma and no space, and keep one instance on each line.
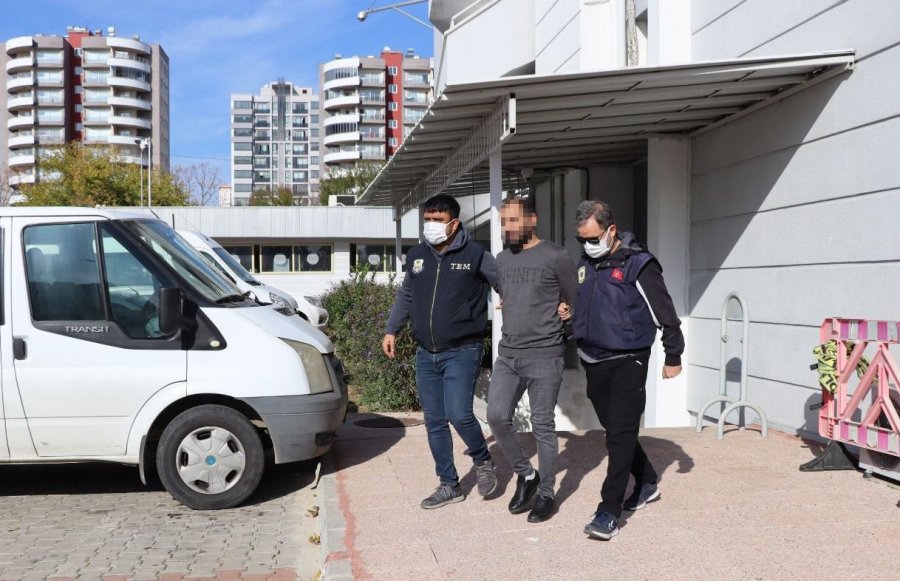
(446,384)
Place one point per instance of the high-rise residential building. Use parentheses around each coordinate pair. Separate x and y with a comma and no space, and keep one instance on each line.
(84,86)
(275,142)
(370,104)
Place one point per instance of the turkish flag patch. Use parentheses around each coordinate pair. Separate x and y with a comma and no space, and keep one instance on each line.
(618,274)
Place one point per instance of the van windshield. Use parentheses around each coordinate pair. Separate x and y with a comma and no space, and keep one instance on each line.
(235,266)
(184,259)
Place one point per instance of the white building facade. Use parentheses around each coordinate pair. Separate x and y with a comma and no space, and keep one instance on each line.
(275,143)
(747,142)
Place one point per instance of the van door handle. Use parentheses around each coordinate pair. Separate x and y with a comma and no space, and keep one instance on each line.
(20,348)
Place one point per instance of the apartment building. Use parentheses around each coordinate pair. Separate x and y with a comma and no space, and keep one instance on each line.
(275,142)
(370,104)
(85,86)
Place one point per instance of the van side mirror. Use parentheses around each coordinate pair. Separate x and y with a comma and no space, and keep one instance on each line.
(170,304)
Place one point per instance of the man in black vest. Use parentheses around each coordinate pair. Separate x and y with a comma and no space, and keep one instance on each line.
(622,301)
(445,297)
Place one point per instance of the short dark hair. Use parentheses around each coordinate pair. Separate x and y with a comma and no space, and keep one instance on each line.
(526,203)
(442,203)
(599,211)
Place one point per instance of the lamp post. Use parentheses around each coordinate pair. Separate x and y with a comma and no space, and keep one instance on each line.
(140,144)
(149,172)
(363,14)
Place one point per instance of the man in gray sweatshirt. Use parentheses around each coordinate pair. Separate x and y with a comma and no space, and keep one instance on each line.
(535,278)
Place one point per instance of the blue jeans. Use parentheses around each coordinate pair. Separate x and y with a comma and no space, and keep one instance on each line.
(446,384)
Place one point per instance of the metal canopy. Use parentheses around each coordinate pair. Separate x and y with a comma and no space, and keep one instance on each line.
(555,121)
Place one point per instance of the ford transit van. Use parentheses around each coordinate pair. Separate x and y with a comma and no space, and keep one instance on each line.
(213,252)
(119,343)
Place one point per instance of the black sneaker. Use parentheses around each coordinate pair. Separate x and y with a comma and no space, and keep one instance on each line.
(543,509)
(486,477)
(641,496)
(604,526)
(442,496)
(525,490)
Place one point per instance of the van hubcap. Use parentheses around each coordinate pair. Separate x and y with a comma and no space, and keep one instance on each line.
(210,460)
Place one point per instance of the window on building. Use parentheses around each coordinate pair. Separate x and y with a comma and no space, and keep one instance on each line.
(262,108)
(243,188)
(312,258)
(392,70)
(392,89)
(300,176)
(242,105)
(392,106)
(314,160)
(262,176)
(377,257)
(314,174)
(243,254)
(392,123)
(243,132)
(244,146)
(339,128)
(392,142)
(242,160)
(242,174)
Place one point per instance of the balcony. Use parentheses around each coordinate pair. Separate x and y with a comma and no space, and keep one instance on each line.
(130,83)
(372,80)
(130,102)
(371,119)
(130,121)
(123,139)
(128,44)
(342,83)
(51,120)
(20,140)
(129,63)
(350,137)
(53,62)
(20,122)
(95,62)
(20,102)
(372,97)
(342,101)
(50,81)
(372,136)
(96,121)
(20,160)
(20,64)
(23,178)
(50,101)
(19,82)
(414,81)
(14,44)
(342,155)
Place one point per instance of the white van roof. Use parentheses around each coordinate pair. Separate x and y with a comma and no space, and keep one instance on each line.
(66,212)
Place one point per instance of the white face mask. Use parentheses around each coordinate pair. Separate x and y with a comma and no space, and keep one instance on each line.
(598,250)
(435,232)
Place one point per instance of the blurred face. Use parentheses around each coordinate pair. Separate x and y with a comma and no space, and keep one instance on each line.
(518,226)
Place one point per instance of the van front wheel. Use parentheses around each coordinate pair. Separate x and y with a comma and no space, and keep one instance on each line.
(210,457)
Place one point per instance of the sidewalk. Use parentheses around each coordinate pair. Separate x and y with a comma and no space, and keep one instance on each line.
(731,509)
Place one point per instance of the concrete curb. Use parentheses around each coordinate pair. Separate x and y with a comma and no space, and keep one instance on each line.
(333,552)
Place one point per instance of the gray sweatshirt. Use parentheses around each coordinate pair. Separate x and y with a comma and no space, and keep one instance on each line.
(532,284)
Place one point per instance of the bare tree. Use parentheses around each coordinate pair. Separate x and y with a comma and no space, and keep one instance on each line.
(6,190)
(202,181)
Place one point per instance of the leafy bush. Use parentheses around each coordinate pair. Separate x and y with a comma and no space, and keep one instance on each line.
(358,311)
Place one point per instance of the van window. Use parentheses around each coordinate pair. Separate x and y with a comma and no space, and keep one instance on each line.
(63,273)
(212,262)
(133,291)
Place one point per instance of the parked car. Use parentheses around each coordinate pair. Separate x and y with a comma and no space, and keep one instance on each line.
(120,343)
(213,252)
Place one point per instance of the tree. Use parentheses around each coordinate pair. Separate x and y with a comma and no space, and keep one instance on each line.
(350,181)
(201,180)
(81,175)
(6,190)
(278,197)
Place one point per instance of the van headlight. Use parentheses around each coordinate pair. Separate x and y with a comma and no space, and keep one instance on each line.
(315,366)
(281,304)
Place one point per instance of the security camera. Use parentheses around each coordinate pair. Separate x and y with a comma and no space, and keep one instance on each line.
(361,15)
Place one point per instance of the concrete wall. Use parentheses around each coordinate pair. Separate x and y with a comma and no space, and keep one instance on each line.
(572,36)
(795,206)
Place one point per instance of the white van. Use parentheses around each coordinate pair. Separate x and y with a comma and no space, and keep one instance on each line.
(213,252)
(119,343)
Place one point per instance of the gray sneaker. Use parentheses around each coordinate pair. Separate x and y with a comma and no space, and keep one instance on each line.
(486,477)
(443,495)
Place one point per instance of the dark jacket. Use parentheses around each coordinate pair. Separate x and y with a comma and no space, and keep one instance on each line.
(445,294)
(622,300)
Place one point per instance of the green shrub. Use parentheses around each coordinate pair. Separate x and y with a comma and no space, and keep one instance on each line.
(358,311)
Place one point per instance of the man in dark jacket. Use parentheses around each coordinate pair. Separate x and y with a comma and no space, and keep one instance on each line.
(622,301)
(445,297)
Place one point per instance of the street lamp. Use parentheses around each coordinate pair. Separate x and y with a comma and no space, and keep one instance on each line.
(140,144)
(147,144)
(363,14)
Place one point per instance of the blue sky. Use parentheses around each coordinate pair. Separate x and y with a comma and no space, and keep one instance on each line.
(219,47)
